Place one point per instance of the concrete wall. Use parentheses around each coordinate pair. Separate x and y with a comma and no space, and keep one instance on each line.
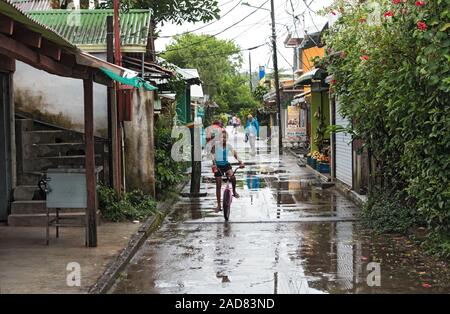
(55,95)
(139,144)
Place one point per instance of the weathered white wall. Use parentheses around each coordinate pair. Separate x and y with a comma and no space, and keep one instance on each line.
(60,94)
(139,144)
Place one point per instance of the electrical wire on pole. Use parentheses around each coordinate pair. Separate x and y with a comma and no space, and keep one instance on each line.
(277,79)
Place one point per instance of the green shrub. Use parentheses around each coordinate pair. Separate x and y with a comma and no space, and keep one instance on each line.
(131,206)
(393,80)
(168,171)
(386,213)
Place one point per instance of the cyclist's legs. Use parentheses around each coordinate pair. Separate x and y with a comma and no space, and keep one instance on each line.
(232,178)
(218,191)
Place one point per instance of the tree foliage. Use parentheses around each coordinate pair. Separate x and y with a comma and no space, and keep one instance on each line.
(175,11)
(393,79)
(218,62)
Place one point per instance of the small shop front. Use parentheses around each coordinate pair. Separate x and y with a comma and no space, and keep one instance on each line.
(319,118)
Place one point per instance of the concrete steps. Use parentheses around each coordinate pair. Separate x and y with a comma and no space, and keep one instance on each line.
(29,178)
(40,220)
(26,193)
(40,147)
(44,163)
(52,136)
(58,149)
(35,207)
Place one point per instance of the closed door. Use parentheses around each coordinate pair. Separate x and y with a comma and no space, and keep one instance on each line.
(343,151)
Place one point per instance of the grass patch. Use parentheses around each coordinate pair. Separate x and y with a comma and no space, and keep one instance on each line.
(129,206)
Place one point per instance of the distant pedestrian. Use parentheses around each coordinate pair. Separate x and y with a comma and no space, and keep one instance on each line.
(234,122)
(251,132)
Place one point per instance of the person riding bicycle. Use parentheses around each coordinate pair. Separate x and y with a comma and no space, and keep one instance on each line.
(222,166)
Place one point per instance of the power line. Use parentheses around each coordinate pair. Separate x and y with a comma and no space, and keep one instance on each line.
(222,5)
(230,53)
(209,36)
(204,26)
(279,52)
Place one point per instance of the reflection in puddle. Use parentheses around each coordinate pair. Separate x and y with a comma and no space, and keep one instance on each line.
(270,247)
(280,258)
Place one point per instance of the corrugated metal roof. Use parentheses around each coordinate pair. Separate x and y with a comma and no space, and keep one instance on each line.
(27,5)
(9,9)
(87,28)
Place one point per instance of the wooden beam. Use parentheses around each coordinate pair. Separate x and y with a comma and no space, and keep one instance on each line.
(6,25)
(68,59)
(50,50)
(55,67)
(16,50)
(7,64)
(27,37)
(91,210)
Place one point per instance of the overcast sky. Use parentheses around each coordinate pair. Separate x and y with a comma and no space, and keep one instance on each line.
(256,29)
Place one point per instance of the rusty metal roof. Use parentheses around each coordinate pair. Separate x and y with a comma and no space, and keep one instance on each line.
(87,28)
(27,5)
(10,10)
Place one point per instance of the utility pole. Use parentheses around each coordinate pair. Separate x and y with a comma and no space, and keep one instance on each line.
(114,161)
(277,79)
(250,70)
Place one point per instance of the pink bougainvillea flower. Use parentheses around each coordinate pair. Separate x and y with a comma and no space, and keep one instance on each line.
(389,14)
(364,57)
(396,1)
(420,3)
(422,26)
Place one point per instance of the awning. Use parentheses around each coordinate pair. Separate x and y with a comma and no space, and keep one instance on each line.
(300,98)
(308,77)
(134,81)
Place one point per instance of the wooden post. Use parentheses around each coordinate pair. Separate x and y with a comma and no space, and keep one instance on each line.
(91,210)
(114,162)
(196,156)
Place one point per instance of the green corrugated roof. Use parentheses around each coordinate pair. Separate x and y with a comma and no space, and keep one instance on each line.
(87,28)
(9,9)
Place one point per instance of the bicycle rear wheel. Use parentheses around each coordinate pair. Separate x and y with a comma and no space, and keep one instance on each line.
(226,204)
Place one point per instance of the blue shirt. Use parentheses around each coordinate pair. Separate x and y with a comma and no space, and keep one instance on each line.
(222,154)
(252,127)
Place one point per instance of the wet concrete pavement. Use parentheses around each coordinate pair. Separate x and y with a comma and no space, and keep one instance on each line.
(285,235)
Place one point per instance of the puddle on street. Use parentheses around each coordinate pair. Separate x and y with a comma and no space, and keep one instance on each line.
(270,246)
(281,258)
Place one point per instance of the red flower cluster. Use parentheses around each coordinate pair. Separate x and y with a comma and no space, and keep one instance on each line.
(364,57)
(389,14)
(420,3)
(396,1)
(422,26)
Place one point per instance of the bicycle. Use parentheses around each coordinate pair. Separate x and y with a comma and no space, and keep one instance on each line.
(227,197)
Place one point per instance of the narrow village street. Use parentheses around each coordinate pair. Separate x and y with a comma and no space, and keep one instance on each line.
(285,235)
(327,121)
